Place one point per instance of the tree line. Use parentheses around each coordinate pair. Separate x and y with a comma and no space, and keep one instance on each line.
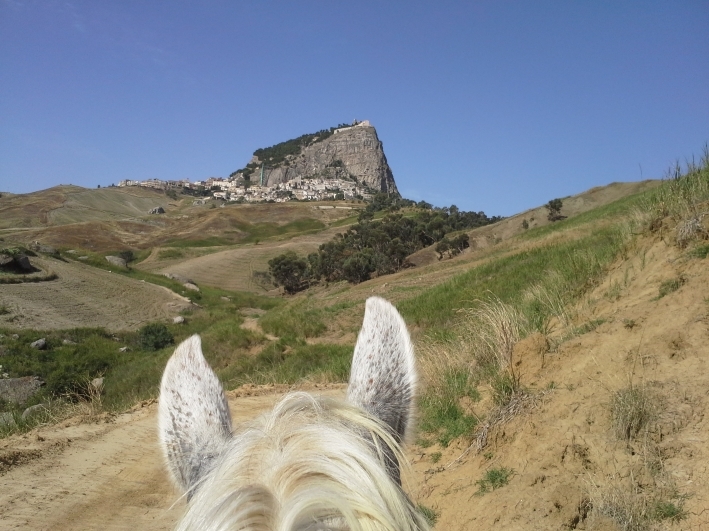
(377,247)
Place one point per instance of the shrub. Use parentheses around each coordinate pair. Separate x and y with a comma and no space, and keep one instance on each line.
(155,336)
(554,208)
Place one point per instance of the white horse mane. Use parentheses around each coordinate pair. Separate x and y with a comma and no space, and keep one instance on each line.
(312,463)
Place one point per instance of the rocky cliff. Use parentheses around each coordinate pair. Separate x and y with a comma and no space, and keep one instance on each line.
(348,152)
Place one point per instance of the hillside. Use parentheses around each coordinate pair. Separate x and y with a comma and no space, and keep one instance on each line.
(563,368)
(110,219)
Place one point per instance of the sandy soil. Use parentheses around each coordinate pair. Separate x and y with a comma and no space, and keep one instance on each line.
(85,296)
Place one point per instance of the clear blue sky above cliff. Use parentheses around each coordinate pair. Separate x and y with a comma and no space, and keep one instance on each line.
(494,106)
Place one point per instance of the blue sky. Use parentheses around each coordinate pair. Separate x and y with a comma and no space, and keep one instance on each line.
(495,106)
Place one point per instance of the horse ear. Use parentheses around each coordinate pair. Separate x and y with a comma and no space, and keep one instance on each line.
(193,416)
(383,374)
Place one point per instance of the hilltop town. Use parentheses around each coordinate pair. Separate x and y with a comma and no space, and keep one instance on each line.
(345,162)
(242,191)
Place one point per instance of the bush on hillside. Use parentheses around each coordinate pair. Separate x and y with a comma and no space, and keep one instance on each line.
(378,246)
(289,271)
(155,336)
(554,208)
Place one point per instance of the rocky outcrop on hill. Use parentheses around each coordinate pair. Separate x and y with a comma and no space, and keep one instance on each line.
(116,261)
(18,390)
(354,151)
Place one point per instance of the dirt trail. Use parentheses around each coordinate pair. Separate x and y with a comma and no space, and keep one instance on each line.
(101,476)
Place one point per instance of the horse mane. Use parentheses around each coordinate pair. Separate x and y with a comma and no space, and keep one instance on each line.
(312,463)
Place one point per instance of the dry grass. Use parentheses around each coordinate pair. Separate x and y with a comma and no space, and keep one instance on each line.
(682,198)
(636,506)
(492,330)
(632,410)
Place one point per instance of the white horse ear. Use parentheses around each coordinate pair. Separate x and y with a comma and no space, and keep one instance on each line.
(383,374)
(193,417)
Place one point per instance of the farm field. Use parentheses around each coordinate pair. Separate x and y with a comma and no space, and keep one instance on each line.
(84,296)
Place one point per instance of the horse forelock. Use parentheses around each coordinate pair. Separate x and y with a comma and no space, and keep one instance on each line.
(309,464)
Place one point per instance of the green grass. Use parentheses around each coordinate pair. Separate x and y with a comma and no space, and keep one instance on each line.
(493,479)
(290,360)
(670,286)
(344,222)
(441,411)
(212,241)
(167,254)
(266,230)
(429,514)
(580,264)
(667,510)
(612,212)
(701,251)
(295,320)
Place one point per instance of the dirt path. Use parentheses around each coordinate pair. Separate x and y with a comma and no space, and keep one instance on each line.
(101,476)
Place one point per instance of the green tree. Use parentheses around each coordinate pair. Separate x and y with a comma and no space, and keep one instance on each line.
(289,271)
(443,247)
(554,208)
(359,266)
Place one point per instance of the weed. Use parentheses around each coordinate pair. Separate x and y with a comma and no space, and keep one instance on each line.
(435,457)
(632,408)
(701,251)
(488,455)
(669,286)
(668,510)
(635,508)
(4,310)
(424,442)
(441,409)
(629,323)
(429,514)
(498,327)
(494,479)
(614,291)
(588,326)
(504,387)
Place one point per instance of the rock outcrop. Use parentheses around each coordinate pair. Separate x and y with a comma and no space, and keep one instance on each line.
(351,151)
(18,390)
(116,261)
